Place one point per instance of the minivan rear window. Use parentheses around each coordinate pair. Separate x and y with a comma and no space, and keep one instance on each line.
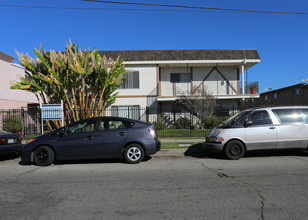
(287,116)
(305,112)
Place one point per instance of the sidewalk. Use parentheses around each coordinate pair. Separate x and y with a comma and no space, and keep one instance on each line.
(179,152)
(172,140)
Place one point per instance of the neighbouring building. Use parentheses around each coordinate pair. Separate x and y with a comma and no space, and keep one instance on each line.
(157,79)
(290,95)
(9,73)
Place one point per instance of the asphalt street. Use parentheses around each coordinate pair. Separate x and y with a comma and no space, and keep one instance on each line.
(176,184)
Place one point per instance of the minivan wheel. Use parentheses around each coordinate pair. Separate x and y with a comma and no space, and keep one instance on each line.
(234,150)
(43,156)
(133,153)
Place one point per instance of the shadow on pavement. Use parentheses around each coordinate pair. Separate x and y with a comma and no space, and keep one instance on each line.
(198,152)
(9,157)
(89,161)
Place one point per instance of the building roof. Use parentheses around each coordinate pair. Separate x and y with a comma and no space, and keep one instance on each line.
(6,57)
(177,55)
(285,88)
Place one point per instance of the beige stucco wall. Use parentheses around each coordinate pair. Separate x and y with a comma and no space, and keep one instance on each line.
(9,99)
(147,81)
(215,84)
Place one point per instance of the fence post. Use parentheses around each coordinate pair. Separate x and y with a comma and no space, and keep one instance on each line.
(190,126)
(147,113)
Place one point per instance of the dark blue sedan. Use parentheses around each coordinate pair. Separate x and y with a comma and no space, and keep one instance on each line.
(93,138)
(10,143)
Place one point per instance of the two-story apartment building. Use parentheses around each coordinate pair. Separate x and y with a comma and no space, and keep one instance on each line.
(159,78)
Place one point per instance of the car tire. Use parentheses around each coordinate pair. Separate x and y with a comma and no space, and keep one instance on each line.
(44,156)
(134,153)
(234,150)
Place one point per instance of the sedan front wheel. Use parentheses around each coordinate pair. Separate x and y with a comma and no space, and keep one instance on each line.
(43,156)
(133,153)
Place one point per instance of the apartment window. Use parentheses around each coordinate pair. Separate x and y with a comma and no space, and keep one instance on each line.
(265,97)
(179,77)
(28,77)
(296,91)
(132,80)
(127,111)
(275,95)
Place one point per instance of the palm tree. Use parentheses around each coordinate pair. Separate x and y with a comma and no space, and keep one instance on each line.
(84,80)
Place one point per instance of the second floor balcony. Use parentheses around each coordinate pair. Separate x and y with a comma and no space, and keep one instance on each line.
(220,91)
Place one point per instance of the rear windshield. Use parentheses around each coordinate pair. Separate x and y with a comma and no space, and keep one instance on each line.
(3,132)
(288,116)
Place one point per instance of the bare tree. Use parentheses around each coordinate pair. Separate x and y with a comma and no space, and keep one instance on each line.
(199,102)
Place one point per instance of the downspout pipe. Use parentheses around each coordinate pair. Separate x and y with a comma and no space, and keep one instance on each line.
(243,83)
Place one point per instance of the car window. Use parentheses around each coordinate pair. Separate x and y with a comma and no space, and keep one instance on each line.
(236,120)
(102,126)
(305,112)
(115,124)
(286,116)
(84,126)
(259,118)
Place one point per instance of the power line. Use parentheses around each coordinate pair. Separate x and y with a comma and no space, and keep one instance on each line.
(76,8)
(199,7)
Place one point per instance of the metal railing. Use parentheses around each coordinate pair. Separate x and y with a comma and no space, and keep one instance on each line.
(169,122)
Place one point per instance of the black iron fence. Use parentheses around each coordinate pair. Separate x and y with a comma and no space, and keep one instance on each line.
(25,121)
(171,122)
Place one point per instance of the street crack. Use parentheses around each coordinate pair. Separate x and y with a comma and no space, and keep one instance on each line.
(25,173)
(258,192)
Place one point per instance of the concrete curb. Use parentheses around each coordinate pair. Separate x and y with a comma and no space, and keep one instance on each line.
(172,140)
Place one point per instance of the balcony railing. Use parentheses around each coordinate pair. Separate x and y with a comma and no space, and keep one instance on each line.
(251,88)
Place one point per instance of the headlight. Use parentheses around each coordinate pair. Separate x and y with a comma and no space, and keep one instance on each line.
(215,139)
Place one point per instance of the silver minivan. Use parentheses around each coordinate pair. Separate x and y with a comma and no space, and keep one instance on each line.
(260,128)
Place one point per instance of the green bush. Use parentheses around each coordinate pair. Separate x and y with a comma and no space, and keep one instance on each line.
(182,123)
(13,124)
(160,123)
(212,121)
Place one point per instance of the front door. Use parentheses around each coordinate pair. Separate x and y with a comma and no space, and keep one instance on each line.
(78,142)
(260,133)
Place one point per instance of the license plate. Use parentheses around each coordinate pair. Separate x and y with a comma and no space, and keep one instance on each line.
(11,141)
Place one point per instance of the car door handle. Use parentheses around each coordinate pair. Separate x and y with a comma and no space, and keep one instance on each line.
(272,127)
(121,133)
(89,137)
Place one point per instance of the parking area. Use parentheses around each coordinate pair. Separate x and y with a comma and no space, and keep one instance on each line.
(175,184)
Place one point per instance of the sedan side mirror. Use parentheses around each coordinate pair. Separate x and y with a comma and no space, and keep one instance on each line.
(62,132)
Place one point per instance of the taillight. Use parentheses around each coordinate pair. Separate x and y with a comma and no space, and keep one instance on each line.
(2,141)
(151,130)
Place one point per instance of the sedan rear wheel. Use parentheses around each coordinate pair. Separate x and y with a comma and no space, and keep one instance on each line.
(133,153)
(43,156)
